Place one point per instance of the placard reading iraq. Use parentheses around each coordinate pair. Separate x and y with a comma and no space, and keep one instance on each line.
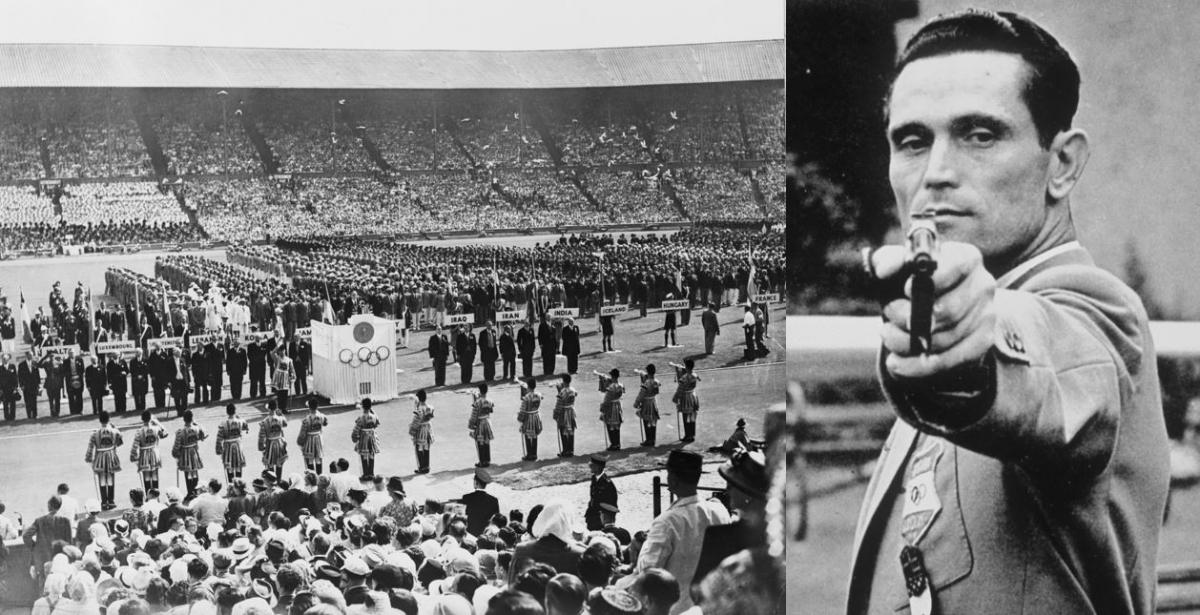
(513,316)
(460,319)
(613,310)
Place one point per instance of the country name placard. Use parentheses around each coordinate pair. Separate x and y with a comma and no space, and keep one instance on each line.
(118,347)
(62,350)
(460,319)
(513,316)
(564,313)
(305,333)
(677,304)
(613,310)
(765,298)
(166,342)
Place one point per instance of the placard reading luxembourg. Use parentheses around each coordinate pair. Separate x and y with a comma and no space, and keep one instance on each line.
(613,310)
(513,316)
(107,347)
(766,298)
(564,313)
(460,319)
(677,304)
(166,342)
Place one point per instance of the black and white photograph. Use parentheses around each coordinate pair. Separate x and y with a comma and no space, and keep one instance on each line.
(437,308)
(993,347)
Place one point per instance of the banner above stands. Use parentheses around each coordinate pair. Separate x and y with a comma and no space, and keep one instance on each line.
(613,310)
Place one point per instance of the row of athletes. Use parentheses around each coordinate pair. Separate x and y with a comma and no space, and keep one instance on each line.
(105,462)
(164,371)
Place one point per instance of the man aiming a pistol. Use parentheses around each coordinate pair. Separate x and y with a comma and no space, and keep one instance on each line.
(1028,472)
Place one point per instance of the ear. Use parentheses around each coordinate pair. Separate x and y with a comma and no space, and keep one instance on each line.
(1068,155)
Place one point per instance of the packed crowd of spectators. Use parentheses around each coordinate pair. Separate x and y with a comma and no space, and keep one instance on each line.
(495,134)
(121,202)
(20,129)
(771,180)
(630,196)
(698,126)
(338,544)
(93,134)
(94,236)
(23,205)
(763,108)
(715,192)
(201,134)
(306,135)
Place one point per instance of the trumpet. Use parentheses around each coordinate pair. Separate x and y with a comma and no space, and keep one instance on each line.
(559,386)
(474,396)
(640,372)
(676,365)
(599,374)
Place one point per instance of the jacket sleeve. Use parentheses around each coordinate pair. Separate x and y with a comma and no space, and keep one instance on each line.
(1050,392)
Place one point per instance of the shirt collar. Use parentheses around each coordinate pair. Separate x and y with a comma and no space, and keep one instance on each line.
(1010,277)
(685,501)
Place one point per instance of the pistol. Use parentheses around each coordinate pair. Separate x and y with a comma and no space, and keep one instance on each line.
(922,262)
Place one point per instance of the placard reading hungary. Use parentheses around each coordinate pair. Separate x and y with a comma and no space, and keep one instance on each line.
(564,313)
(613,310)
(460,319)
(165,342)
(60,350)
(766,298)
(678,304)
(513,316)
(107,347)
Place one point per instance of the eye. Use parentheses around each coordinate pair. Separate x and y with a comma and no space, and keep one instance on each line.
(911,143)
(981,136)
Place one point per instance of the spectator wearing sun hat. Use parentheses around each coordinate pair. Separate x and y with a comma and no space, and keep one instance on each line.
(747,484)
(355,572)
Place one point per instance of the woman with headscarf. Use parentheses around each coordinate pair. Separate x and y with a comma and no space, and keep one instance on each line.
(554,542)
(80,597)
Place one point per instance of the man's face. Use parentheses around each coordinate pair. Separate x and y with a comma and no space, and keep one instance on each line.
(965,149)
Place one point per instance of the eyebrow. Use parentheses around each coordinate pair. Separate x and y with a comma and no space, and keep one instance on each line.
(995,124)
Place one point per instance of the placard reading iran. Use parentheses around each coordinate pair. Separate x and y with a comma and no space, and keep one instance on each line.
(766,298)
(613,310)
(677,304)
(165,342)
(305,333)
(564,313)
(60,350)
(460,319)
(513,316)
(117,347)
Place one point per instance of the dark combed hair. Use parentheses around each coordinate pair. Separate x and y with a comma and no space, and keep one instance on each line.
(1051,89)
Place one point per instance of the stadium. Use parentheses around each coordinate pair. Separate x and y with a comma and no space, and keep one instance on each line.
(199,199)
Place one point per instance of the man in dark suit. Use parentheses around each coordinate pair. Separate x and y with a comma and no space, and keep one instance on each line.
(197,361)
(711,327)
(29,377)
(466,353)
(508,354)
(489,351)
(176,371)
(139,376)
(548,342)
(747,484)
(526,342)
(74,377)
(602,502)
(570,345)
(96,377)
(214,350)
(481,505)
(236,360)
(160,382)
(41,535)
(439,352)
(256,363)
(116,371)
(300,352)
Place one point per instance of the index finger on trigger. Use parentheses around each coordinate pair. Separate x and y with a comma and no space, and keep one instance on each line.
(956,261)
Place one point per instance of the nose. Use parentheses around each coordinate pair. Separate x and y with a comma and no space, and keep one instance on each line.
(940,172)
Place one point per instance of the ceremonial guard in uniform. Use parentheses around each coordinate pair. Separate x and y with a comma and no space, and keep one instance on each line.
(685,398)
(270,439)
(186,451)
(610,408)
(281,380)
(311,444)
(139,373)
(102,454)
(530,418)
(145,450)
(480,426)
(646,403)
(421,431)
(229,443)
(366,443)
(602,492)
(564,416)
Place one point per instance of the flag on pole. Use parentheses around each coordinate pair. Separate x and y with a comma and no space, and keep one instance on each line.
(28,332)
(495,278)
(91,324)
(751,284)
(134,327)
(166,314)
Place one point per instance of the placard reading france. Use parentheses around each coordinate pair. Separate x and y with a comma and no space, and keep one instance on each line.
(766,298)
(677,304)
(613,310)
(460,319)
(513,316)
(564,313)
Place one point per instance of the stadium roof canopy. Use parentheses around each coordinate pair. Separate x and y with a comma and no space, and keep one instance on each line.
(150,66)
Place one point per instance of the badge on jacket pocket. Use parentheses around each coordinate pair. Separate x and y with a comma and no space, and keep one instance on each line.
(921,501)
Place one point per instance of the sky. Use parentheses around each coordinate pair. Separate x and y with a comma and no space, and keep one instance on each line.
(398,24)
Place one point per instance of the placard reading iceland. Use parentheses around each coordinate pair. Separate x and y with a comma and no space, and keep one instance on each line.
(613,310)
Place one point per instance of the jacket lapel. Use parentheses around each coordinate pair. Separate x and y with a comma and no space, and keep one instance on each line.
(891,460)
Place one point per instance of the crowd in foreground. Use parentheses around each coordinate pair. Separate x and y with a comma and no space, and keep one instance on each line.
(328,544)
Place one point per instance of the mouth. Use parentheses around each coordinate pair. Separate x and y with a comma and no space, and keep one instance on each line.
(939,212)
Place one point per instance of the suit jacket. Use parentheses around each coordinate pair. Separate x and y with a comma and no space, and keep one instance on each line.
(117,374)
(525,342)
(96,378)
(601,491)
(1051,473)
(439,348)
(489,348)
(28,375)
(41,534)
(570,340)
(709,321)
(236,361)
(549,549)
(481,507)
